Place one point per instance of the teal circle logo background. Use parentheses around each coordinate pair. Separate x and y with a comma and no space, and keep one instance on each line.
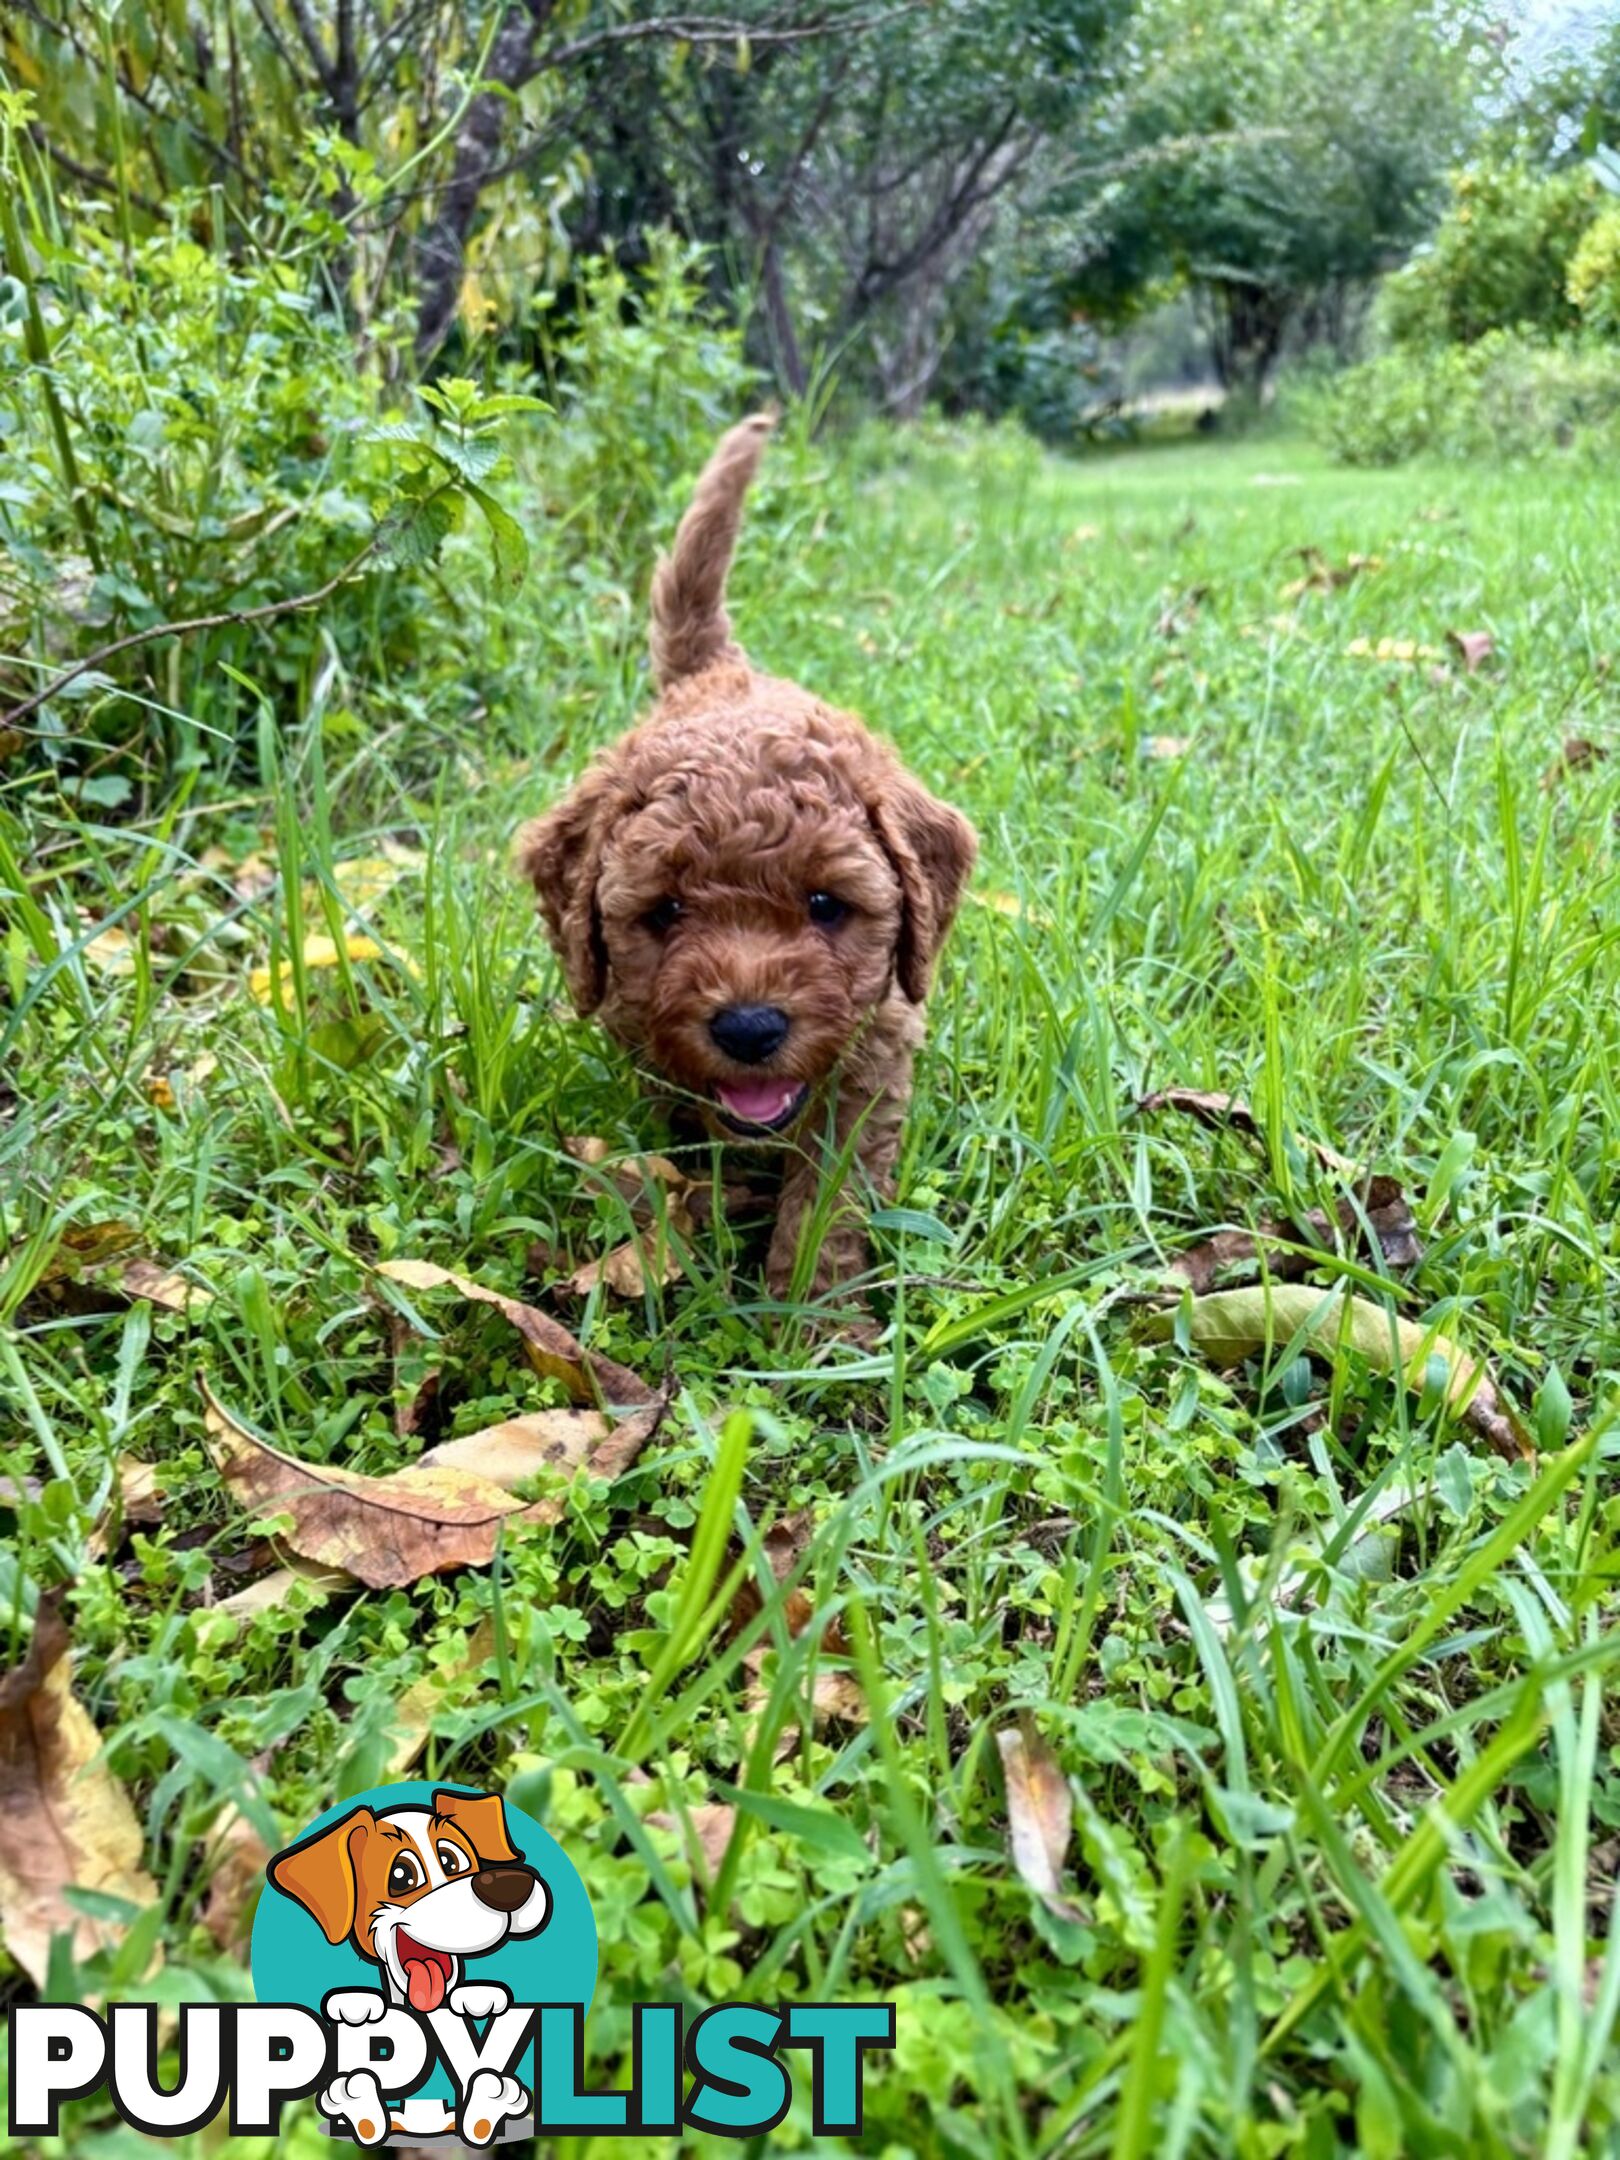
(292,1961)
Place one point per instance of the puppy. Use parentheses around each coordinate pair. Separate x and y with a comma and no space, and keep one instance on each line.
(418,1891)
(750,891)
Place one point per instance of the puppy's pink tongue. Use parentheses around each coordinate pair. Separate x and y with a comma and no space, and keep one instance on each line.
(756,1102)
(424,1983)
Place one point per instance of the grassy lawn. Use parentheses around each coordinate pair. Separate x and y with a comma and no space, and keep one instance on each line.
(1330,1678)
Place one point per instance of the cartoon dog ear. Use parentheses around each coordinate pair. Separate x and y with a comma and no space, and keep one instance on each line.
(322,1873)
(561,856)
(482,1819)
(932,848)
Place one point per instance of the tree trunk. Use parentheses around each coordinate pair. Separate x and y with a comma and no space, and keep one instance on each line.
(1247,326)
(785,350)
(441,249)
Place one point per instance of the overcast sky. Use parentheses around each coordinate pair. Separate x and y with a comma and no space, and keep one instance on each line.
(1547,27)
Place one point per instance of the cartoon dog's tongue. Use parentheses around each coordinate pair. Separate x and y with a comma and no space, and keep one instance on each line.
(427,1972)
(757,1102)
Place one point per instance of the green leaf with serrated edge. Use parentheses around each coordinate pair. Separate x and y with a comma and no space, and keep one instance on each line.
(508,543)
(413,532)
(473,458)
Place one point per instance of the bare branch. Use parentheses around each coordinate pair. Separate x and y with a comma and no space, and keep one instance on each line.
(267,612)
(702,30)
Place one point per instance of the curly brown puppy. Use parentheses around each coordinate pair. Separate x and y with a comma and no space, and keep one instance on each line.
(749,890)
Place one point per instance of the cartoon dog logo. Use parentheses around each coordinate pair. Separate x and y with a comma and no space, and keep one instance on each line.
(418,1891)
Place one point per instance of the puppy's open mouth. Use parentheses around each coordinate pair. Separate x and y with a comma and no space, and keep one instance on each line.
(427,1971)
(756,1106)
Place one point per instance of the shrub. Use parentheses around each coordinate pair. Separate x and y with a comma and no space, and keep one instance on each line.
(1498,259)
(1594,274)
(1505,395)
(186,435)
(645,371)
(189,443)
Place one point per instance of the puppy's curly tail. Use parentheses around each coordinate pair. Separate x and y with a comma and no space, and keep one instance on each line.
(690,626)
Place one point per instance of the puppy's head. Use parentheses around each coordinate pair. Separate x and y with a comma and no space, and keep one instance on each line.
(737,893)
(417,1889)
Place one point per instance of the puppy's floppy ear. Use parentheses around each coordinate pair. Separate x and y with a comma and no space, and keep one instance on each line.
(321,1874)
(932,848)
(482,1819)
(561,854)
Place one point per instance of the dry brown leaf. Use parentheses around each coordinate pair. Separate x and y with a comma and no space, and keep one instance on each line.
(420,1704)
(139,1501)
(1323,576)
(84,1247)
(522,1447)
(138,1491)
(836,1694)
(707,1827)
(240,1859)
(574,1440)
(111,952)
(629,1268)
(1472,647)
(1214,1109)
(68,1821)
(551,1350)
(1577,755)
(271,1590)
(1040,1813)
(1388,1216)
(1230,1325)
(388,1532)
(632,1174)
(1180,613)
(162,1286)
(783,1543)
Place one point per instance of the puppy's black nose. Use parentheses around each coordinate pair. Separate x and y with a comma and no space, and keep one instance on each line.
(750,1033)
(502,1889)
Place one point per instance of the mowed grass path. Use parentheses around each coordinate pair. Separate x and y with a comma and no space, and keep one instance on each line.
(1331,1687)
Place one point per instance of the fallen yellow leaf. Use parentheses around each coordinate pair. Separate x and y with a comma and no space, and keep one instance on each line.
(69,1822)
(321,952)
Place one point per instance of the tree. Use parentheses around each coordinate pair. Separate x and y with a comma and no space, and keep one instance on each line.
(1276,155)
(847,184)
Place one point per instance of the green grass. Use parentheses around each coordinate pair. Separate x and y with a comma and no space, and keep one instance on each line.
(1333,1686)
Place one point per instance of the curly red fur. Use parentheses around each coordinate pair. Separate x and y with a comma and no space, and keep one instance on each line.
(738,797)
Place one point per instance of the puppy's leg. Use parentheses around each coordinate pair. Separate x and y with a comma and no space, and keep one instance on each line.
(866,1137)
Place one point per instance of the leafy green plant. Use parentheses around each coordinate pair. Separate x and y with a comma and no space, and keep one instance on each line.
(1593,279)
(194,453)
(644,367)
(1499,259)
(1505,395)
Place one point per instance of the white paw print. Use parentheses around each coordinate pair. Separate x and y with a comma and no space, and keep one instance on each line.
(354,2006)
(480,1999)
(358,2099)
(490,2100)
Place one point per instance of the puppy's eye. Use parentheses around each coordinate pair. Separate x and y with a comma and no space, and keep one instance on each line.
(663,918)
(826,909)
(405,1875)
(452,1859)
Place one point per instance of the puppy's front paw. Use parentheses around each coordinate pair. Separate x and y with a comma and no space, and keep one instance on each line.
(490,2101)
(354,2006)
(480,1999)
(357,2100)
